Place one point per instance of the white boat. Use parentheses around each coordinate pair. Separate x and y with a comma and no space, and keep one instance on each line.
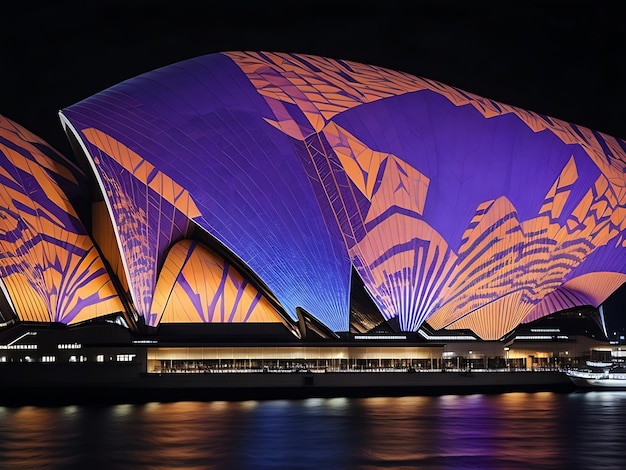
(608,378)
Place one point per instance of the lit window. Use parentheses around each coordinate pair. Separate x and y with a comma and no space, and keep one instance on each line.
(100,358)
(48,358)
(125,357)
(534,337)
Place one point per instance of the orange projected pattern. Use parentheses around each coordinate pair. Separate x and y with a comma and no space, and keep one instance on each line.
(547,253)
(49,265)
(104,236)
(318,86)
(504,267)
(588,289)
(144,171)
(196,285)
(320,93)
(135,193)
(397,247)
(401,185)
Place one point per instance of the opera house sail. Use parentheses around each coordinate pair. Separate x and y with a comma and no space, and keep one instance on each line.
(50,269)
(258,187)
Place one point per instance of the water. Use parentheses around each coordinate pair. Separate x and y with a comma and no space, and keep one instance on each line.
(506,431)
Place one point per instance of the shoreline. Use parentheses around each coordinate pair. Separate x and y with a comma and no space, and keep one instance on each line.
(233,386)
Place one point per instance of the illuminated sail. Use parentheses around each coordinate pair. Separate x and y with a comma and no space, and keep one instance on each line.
(452,208)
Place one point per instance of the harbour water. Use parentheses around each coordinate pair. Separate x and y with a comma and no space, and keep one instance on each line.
(544,430)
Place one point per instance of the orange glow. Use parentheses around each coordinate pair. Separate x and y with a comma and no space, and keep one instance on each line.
(196,285)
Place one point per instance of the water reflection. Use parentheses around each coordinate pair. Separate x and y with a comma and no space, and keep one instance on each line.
(508,431)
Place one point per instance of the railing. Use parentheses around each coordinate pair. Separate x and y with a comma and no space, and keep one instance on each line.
(313,370)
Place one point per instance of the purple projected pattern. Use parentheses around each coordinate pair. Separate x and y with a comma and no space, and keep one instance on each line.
(506,260)
(251,193)
(48,263)
(218,292)
(150,211)
(454,209)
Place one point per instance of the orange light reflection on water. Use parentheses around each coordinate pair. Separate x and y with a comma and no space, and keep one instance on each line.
(444,432)
(509,431)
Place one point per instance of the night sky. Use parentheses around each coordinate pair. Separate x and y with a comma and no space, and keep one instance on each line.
(565,59)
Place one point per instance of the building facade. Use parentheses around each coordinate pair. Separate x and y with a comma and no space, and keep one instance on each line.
(328,199)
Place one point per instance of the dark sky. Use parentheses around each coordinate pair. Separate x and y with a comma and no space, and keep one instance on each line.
(565,59)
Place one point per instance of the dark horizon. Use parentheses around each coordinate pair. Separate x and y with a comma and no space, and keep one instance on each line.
(562,59)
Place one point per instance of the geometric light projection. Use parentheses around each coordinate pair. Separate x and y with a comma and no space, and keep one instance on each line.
(209,141)
(196,285)
(453,209)
(148,209)
(49,266)
(502,266)
(104,237)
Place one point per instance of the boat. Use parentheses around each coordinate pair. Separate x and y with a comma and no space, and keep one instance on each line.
(600,376)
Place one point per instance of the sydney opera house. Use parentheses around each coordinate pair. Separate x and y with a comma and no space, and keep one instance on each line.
(250,209)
